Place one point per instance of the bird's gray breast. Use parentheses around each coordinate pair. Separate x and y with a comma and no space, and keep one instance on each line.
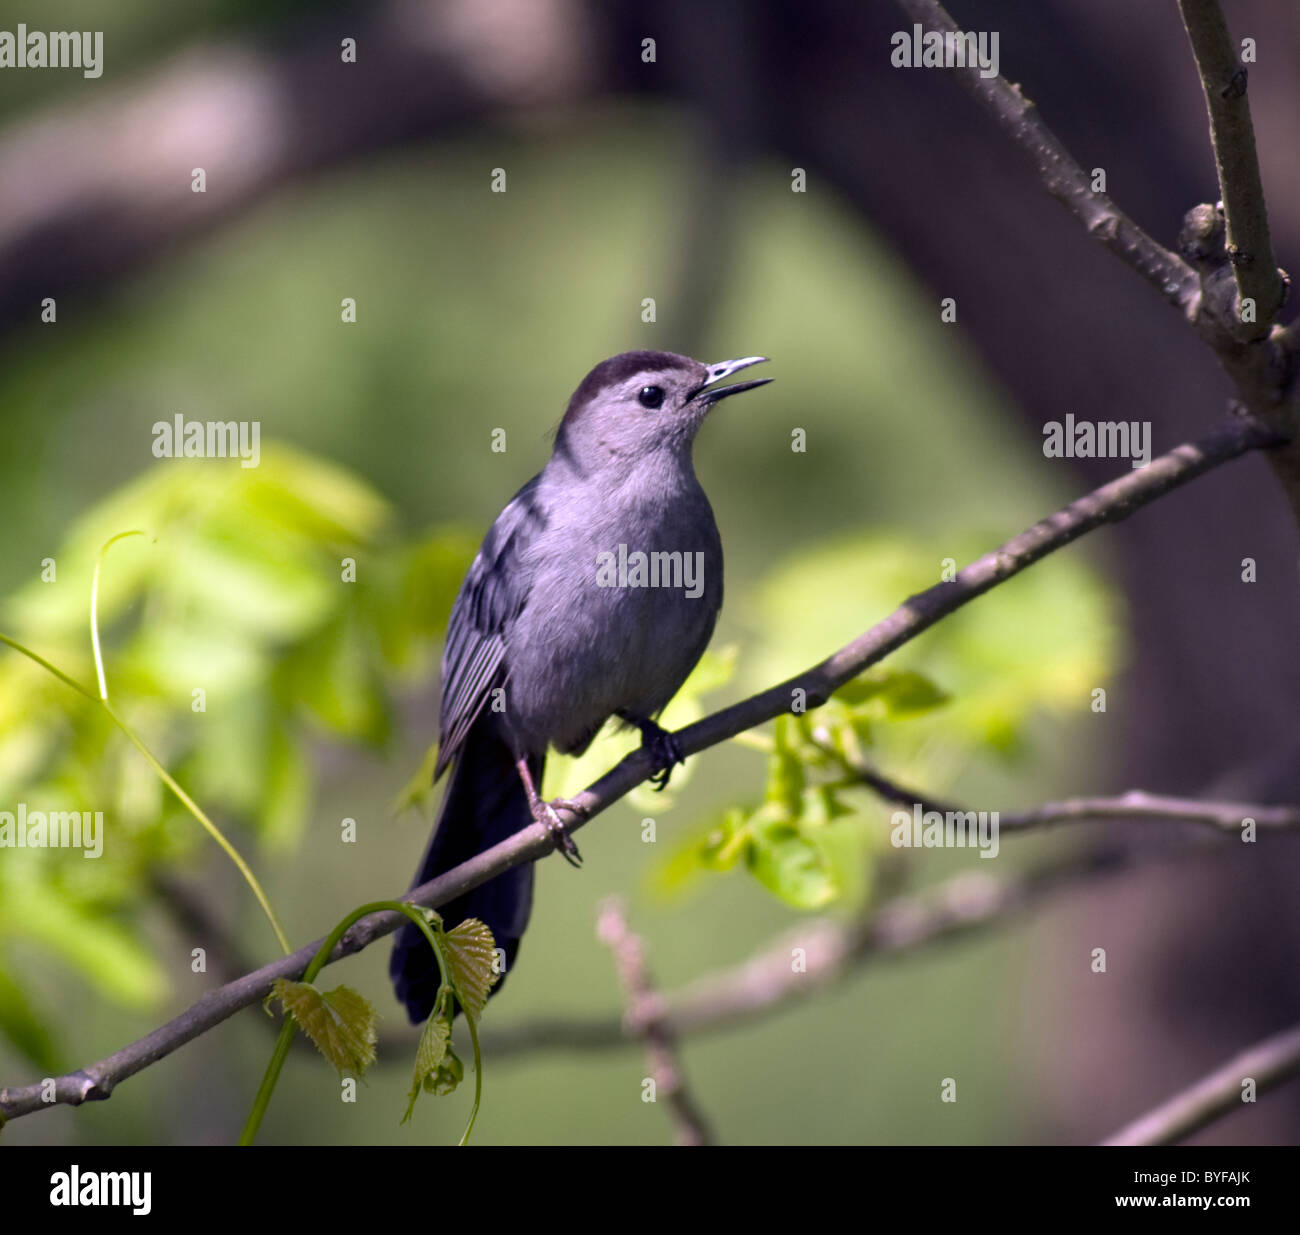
(625,584)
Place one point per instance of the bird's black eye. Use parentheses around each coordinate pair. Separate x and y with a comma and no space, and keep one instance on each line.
(650,396)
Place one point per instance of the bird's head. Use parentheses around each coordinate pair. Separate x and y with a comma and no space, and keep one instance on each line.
(640,403)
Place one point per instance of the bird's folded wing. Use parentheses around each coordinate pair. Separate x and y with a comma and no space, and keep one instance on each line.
(492,596)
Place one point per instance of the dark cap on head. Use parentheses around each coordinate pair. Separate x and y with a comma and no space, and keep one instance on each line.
(618,369)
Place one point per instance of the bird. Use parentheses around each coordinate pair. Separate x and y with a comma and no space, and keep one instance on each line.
(554,630)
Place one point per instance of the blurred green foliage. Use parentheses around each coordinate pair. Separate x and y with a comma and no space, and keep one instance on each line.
(267,610)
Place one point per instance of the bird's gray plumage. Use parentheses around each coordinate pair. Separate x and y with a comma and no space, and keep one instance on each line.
(494,592)
(537,653)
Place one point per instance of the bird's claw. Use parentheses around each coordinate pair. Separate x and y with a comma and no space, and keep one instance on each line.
(664,750)
(547,816)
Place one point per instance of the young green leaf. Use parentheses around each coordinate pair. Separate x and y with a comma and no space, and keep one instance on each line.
(448,1076)
(340,1022)
(470,953)
(901,692)
(435,1043)
(788,863)
(907,693)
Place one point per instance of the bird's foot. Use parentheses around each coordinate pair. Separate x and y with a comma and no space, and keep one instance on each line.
(546,814)
(664,751)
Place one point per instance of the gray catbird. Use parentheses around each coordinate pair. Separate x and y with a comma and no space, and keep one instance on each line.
(593,595)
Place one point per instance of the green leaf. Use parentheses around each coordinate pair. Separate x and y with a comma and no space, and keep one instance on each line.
(340,1022)
(902,692)
(858,691)
(907,693)
(791,865)
(449,1075)
(724,844)
(311,497)
(710,847)
(471,951)
(256,583)
(438,1070)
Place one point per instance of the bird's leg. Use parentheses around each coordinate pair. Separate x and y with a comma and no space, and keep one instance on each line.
(544,813)
(661,746)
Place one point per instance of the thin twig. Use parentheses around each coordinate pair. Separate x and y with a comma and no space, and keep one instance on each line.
(1223,79)
(645,1022)
(1061,176)
(1135,804)
(1263,362)
(1110,503)
(1267,1064)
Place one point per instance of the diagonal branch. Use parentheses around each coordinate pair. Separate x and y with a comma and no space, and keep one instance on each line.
(1111,503)
(1223,79)
(1061,175)
(1267,1064)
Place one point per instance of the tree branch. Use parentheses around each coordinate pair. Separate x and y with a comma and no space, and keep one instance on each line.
(644,1020)
(1110,503)
(1261,363)
(1135,804)
(1061,176)
(1267,1063)
(1223,79)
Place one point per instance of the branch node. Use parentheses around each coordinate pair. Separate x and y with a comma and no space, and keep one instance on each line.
(1236,86)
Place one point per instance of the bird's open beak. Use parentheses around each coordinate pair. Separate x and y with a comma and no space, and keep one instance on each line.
(709,393)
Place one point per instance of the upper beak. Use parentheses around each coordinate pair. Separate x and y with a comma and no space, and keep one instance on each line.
(719,371)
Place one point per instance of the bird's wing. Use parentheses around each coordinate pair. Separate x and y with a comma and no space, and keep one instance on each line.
(491,597)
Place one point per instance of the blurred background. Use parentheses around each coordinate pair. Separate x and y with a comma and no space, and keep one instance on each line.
(627,180)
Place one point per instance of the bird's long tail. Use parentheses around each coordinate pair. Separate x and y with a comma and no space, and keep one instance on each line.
(484,804)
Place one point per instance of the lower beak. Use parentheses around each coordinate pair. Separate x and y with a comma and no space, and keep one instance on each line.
(717,372)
